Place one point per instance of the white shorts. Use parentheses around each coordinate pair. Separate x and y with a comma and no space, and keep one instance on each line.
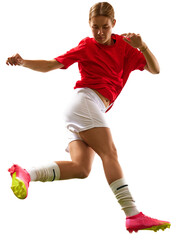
(86,110)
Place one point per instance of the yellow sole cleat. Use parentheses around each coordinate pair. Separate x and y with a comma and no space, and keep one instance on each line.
(160,227)
(142,222)
(18,187)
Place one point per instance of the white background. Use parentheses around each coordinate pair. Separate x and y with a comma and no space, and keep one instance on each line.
(143,122)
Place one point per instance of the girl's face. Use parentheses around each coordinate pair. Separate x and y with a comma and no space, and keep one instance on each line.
(101,27)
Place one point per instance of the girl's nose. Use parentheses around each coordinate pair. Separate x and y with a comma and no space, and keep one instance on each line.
(100,31)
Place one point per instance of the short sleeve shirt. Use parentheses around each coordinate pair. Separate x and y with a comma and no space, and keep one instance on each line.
(104,68)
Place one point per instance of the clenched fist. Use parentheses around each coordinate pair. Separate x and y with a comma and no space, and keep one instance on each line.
(15,60)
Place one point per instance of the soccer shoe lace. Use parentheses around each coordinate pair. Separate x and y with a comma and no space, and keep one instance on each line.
(142,222)
(20,181)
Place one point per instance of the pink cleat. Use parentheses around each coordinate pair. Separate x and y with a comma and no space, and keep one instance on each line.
(20,181)
(142,222)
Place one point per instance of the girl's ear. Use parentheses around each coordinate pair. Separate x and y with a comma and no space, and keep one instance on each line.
(114,23)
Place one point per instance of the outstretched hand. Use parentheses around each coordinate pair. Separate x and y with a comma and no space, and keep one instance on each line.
(15,60)
(134,40)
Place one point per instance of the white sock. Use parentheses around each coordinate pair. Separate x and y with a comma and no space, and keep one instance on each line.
(46,173)
(124,197)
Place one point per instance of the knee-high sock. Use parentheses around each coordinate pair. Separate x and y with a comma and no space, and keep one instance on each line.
(124,197)
(49,172)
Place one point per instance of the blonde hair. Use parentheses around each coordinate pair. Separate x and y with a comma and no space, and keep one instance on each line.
(101,9)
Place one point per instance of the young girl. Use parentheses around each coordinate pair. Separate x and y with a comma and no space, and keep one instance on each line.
(105,62)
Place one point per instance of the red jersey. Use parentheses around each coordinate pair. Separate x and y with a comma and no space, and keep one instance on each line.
(104,68)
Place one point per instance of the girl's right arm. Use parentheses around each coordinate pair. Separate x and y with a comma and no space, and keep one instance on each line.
(36,65)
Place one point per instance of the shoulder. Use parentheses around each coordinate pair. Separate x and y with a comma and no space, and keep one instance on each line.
(128,49)
(119,38)
(85,41)
(120,43)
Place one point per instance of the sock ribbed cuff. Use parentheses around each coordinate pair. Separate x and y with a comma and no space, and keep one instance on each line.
(124,197)
(50,172)
(116,185)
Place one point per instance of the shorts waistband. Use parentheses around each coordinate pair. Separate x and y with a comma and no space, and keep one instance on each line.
(94,97)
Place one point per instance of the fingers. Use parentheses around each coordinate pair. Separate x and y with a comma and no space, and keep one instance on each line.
(124,34)
(126,40)
(14,60)
(133,39)
(11,61)
(129,35)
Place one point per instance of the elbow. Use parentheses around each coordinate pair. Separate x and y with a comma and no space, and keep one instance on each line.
(154,68)
(157,71)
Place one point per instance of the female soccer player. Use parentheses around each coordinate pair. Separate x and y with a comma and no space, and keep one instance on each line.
(105,62)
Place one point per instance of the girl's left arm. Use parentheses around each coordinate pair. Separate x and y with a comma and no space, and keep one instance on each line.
(136,41)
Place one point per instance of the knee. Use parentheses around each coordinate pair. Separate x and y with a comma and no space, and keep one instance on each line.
(84,171)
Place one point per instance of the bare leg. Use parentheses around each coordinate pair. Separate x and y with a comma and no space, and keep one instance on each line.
(82,158)
(100,140)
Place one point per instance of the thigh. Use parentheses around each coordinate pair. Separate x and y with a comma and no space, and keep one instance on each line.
(81,153)
(100,140)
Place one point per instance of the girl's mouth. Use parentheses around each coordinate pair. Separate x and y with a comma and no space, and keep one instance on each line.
(100,38)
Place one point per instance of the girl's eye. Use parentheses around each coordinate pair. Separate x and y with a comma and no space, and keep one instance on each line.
(95,27)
